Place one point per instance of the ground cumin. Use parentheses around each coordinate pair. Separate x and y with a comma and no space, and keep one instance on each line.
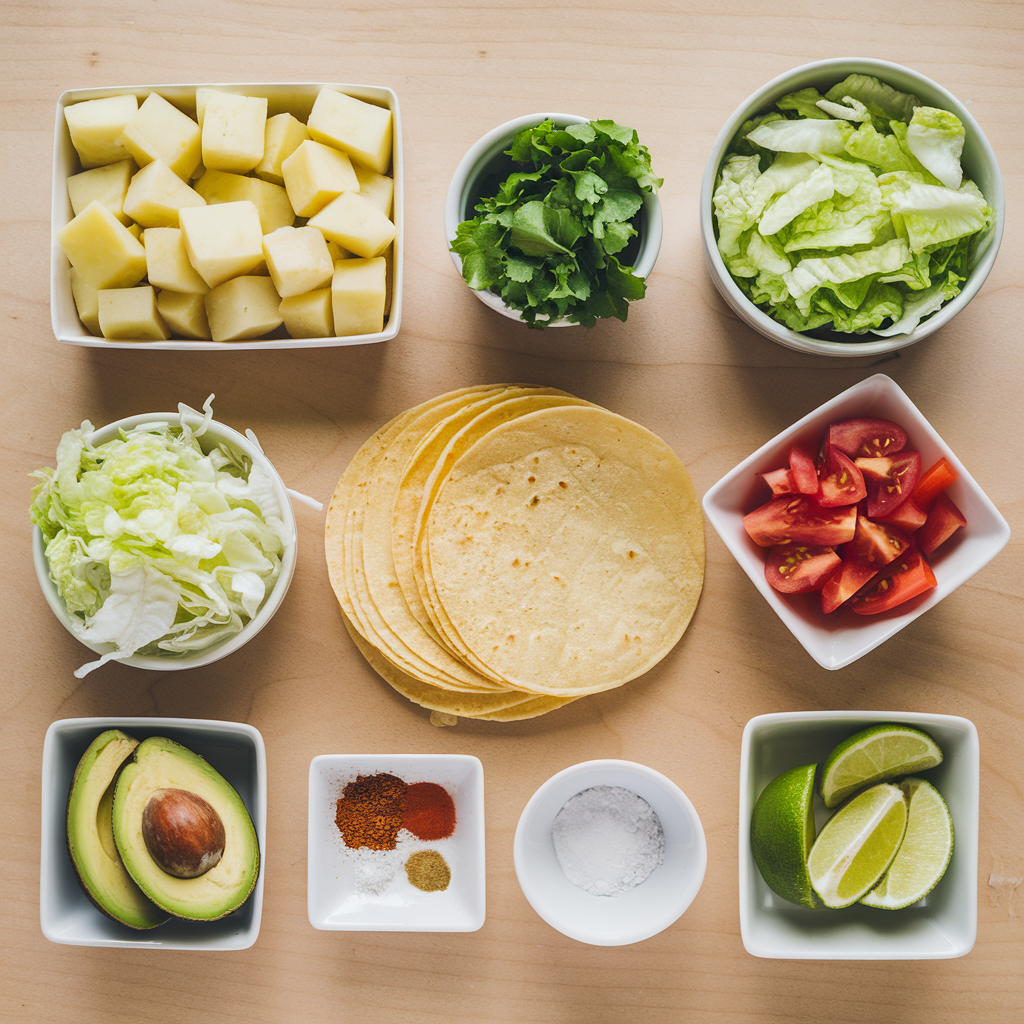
(369,813)
(428,871)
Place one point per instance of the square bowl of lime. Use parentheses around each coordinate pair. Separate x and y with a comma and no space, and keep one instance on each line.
(858,835)
(153,833)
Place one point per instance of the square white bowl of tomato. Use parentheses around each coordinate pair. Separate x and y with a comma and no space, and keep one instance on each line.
(855,521)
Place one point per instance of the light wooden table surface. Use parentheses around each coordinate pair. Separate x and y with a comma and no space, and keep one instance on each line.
(682,366)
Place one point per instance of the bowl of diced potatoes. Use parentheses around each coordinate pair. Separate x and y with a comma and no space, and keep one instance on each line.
(227,216)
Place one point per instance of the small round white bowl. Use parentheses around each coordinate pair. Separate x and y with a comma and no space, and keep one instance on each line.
(216,433)
(650,907)
(486,156)
(979,163)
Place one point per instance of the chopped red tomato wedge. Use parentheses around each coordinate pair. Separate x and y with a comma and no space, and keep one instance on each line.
(933,482)
(780,481)
(799,568)
(908,516)
(903,578)
(876,544)
(861,491)
(844,582)
(799,519)
(804,469)
(866,437)
(890,480)
(842,483)
(943,521)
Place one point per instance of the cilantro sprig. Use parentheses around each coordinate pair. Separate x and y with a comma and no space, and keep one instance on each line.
(547,240)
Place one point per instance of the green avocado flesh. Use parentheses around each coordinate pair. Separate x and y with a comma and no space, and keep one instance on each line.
(91,839)
(158,764)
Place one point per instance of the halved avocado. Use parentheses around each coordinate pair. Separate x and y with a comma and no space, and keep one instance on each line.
(91,840)
(159,768)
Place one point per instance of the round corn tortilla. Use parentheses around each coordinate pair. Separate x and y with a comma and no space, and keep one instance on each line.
(566,550)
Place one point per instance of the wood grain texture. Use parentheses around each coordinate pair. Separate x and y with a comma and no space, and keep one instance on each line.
(682,366)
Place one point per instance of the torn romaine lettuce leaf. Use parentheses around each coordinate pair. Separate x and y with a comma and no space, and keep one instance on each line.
(841,210)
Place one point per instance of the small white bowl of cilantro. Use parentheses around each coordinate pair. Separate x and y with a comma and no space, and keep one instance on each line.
(163,541)
(850,207)
(554,220)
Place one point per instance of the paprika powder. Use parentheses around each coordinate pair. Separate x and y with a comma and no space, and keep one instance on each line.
(428,811)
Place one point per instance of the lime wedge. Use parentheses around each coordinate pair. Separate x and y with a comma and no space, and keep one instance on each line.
(782,833)
(924,855)
(877,753)
(857,844)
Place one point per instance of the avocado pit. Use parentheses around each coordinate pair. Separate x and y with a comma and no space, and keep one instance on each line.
(183,833)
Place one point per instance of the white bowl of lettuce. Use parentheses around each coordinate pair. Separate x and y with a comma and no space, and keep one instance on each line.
(850,207)
(164,541)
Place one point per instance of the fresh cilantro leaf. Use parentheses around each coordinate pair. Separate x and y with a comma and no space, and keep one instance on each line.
(546,237)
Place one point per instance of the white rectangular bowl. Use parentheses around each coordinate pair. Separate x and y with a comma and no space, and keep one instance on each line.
(942,925)
(294,97)
(235,749)
(336,902)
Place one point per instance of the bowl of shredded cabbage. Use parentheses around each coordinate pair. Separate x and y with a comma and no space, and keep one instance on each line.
(164,541)
(850,207)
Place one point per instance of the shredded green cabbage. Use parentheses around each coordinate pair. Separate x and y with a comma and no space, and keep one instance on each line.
(154,545)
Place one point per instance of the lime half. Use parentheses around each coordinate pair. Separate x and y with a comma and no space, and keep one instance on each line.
(877,753)
(782,833)
(857,844)
(924,855)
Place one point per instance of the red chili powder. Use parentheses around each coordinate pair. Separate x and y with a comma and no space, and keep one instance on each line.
(428,812)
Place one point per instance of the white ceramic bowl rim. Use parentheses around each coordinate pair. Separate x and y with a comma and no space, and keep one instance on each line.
(642,912)
(251,448)
(764,97)
(491,145)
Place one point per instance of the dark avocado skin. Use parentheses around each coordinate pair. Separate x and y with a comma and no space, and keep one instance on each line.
(160,763)
(97,867)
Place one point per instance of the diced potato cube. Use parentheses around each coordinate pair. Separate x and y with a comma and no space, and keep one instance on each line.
(167,262)
(107,184)
(357,296)
(156,194)
(135,230)
(314,175)
(160,131)
(86,302)
(96,126)
(222,241)
(337,252)
(102,249)
(363,130)
(298,260)
(309,315)
(185,314)
(244,307)
(284,135)
(271,200)
(131,313)
(233,131)
(354,222)
(378,188)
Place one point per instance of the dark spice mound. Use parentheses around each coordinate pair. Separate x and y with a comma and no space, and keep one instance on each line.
(369,813)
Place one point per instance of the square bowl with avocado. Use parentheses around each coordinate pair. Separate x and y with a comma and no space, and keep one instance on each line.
(175,782)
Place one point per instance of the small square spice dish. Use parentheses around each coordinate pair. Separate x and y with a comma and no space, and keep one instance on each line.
(396,843)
